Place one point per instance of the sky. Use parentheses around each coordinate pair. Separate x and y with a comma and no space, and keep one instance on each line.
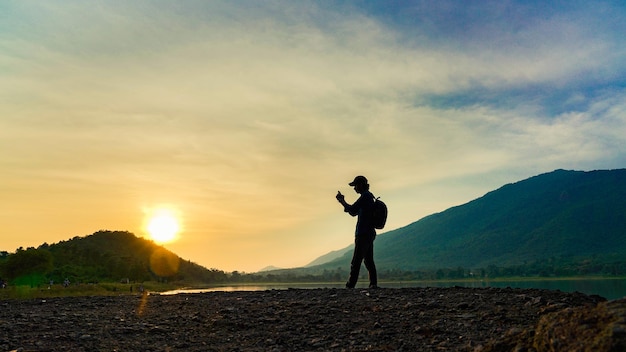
(244,118)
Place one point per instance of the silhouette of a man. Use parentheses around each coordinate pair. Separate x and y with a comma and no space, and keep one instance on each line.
(365,233)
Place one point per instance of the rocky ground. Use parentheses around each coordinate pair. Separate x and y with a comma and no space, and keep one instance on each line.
(406,319)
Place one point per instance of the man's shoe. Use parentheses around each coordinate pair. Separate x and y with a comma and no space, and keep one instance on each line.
(373,287)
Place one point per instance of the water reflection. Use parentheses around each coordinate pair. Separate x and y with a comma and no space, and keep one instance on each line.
(252,288)
(608,288)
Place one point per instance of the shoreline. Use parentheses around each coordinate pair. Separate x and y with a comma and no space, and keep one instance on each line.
(610,287)
(598,285)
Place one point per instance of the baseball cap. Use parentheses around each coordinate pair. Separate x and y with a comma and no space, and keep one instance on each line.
(359,180)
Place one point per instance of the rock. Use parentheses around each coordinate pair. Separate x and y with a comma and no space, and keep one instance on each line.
(590,327)
(595,328)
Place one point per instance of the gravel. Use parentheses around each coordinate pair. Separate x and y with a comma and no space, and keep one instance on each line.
(403,319)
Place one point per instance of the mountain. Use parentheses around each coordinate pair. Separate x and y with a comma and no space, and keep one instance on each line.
(328,257)
(104,256)
(269,268)
(561,214)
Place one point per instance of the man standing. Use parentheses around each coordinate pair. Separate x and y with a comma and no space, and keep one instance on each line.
(365,233)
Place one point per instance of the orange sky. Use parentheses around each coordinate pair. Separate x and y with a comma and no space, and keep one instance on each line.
(245,120)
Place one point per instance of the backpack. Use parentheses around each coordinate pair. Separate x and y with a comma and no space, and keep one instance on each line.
(380,213)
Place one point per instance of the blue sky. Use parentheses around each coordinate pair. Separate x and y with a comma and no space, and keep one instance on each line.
(245,118)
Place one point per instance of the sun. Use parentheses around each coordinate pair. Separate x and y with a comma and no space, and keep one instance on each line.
(162,225)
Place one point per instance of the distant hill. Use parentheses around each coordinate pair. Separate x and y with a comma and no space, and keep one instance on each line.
(561,214)
(104,256)
(328,257)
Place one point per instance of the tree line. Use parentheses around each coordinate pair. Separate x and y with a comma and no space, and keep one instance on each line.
(553,267)
(105,256)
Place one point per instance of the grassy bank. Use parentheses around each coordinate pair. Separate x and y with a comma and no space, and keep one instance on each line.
(100,289)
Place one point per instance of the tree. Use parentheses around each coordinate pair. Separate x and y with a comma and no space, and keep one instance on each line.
(28,266)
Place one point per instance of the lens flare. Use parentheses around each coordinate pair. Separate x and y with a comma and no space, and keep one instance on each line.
(164,263)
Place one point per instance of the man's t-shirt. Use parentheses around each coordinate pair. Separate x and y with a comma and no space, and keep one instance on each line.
(364,209)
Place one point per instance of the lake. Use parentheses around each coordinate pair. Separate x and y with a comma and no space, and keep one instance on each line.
(608,288)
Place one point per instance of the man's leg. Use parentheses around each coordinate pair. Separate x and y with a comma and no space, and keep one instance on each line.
(370,266)
(360,248)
